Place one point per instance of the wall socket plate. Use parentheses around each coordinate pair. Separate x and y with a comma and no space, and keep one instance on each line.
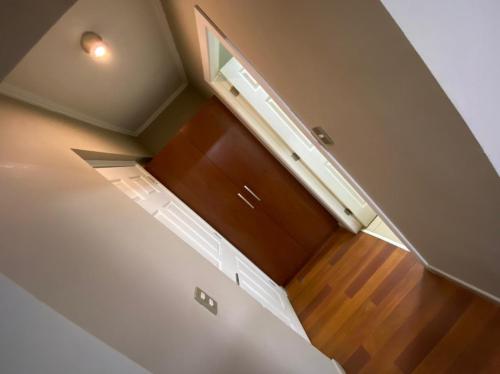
(322,136)
(204,299)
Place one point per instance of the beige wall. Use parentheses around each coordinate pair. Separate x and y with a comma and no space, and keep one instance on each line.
(22,24)
(346,66)
(42,341)
(166,125)
(79,245)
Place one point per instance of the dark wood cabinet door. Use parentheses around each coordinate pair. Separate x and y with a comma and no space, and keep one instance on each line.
(194,178)
(218,134)
(214,164)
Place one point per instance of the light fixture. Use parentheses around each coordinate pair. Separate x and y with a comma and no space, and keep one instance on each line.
(93,44)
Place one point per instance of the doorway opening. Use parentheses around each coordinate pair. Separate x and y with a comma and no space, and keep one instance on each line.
(128,176)
(301,150)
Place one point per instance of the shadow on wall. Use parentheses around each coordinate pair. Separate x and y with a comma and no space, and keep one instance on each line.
(163,128)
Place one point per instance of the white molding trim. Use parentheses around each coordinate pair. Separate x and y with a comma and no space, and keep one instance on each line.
(243,111)
(110,163)
(471,287)
(340,369)
(378,236)
(38,101)
(209,60)
(204,24)
(160,109)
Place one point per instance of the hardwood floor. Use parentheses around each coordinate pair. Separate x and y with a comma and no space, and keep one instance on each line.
(374,308)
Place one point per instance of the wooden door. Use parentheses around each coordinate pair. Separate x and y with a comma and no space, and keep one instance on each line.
(273,221)
(218,134)
(206,189)
(167,208)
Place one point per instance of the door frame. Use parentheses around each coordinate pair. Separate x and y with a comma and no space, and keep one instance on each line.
(205,27)
(228,259)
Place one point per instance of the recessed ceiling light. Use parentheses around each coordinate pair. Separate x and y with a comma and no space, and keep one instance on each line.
(93,44)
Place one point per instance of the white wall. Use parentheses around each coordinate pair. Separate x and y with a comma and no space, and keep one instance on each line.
(36,339)
(459,40)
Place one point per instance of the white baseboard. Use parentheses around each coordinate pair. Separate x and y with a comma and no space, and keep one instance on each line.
(340,369)
(463,283)
(396,244)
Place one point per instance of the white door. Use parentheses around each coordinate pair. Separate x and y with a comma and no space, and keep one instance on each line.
(141,187)
(248,87)
(162,204)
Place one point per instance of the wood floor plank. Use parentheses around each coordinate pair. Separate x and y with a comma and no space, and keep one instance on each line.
(479,356)
(304,280)
(338,275)
(357,360)
(368,271)
(378,312)
(459,338)
(319,324)
(362,324)
(402,325)
(338,237)
(433,332)
(360,303)
(393,279)
(316,302)
(338,254)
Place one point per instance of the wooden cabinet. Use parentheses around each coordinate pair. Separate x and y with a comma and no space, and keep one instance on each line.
(224,174)
(158,201)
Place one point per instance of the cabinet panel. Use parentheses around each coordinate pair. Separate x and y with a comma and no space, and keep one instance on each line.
(217,133)
(190,175)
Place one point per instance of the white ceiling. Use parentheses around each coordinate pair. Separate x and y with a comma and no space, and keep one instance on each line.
(126,92)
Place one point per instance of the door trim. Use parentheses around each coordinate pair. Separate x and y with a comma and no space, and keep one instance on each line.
(204,27)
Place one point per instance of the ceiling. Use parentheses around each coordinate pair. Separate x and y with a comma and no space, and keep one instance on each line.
(123,93)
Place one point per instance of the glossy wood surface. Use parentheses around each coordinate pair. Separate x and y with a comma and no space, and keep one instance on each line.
(375,309)
(207,165)
(218,134)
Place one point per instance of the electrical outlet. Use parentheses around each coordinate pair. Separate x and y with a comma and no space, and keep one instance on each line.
(204,299)
(322,136)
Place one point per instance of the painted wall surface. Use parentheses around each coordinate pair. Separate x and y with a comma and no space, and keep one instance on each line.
(346,66)
(166,125)
(82,247)
(459,42)
(36,339)
(22,24)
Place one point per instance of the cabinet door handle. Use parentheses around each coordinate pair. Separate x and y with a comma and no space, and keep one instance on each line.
(253,193)
(245,200)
